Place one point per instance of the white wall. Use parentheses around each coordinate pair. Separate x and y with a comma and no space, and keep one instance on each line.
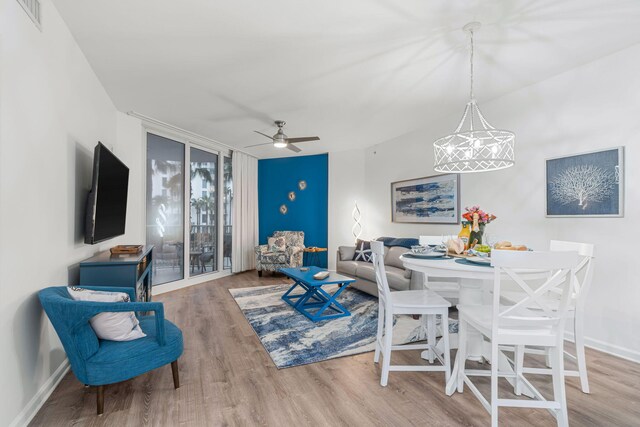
(591,107)
(53,111)
(346,186)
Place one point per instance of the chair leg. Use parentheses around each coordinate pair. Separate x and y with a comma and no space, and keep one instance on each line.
(461,357)
(519,361)
(176,374)
(547,358)
(559,392)
(431,336)
(259,273)
(376,356)
(581,359)
(494,384)
(100,399)
(447,348)
(386,348)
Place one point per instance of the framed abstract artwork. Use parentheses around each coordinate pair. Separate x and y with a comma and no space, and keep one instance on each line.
(428,200)
(586,185)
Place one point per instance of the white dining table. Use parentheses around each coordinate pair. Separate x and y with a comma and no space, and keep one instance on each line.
(476,283)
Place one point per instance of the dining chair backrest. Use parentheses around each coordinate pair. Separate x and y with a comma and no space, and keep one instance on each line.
(515,265)
(584,270)
(377,250)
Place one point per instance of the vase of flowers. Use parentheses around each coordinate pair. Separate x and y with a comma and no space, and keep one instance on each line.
(478,219)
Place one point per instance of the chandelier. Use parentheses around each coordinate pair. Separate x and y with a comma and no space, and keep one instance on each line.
(475,145)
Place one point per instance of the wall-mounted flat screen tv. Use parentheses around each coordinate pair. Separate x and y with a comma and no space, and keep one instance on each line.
(107,201)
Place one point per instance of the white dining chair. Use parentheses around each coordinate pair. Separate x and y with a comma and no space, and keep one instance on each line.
(446,287)
(517,325)
(419,302)
(582,283)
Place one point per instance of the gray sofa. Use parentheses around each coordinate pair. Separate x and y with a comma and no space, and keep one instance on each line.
(398,277)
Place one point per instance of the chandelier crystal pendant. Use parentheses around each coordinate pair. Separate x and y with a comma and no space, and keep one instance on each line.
(475,145)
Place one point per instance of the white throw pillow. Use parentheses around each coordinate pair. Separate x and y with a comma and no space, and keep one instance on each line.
(121,326)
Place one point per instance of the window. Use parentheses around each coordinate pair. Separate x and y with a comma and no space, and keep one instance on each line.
(165,207)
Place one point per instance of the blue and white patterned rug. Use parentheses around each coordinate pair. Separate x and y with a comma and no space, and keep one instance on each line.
(291,339)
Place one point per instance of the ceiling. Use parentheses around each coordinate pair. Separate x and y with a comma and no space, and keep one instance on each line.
(355,73)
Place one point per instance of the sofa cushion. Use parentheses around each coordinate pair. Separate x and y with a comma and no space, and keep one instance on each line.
(346,252)
(397,279)
(395,276)
(393,256)
(347,267)
(366,271)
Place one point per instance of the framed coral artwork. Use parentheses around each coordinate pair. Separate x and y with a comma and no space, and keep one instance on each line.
(586,185)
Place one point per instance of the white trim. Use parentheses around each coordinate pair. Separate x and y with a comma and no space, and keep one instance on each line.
(38,400)
(185,283)
(37,20)
(612,349)
(176,131)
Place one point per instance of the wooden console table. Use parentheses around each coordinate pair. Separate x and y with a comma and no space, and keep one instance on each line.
(123,270)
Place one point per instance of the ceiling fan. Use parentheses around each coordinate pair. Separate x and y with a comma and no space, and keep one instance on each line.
(280,140)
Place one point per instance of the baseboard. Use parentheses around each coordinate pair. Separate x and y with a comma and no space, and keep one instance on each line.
(31,409)
(614,350)
(185,283)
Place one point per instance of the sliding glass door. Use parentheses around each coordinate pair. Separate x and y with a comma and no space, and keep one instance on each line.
(203,235)
(165,207)
(188,209)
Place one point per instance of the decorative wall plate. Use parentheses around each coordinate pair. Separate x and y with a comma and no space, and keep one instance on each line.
(283,209)
(292,195)
(302,184)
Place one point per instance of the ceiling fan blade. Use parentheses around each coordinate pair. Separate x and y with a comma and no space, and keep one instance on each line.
(293,148)
(264,134)
(303,139)
(257,145)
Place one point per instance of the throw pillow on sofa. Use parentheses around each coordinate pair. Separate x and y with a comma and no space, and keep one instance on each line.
(276,244)
(121,326)
(363,251)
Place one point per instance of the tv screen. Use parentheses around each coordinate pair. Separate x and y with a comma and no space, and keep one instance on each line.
(107,201)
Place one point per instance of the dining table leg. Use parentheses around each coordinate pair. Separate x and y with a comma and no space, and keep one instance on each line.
(471,293)
(481,349)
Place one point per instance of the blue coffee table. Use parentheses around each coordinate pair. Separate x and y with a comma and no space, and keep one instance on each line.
(315,301)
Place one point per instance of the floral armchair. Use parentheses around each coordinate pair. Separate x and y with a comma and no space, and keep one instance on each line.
(285,249)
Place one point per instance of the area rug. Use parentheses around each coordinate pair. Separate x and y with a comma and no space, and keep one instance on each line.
(291,339)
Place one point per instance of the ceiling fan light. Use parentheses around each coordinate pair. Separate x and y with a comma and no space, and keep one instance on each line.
(279,144)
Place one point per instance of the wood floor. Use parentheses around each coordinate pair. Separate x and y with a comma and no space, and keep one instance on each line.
(227,378)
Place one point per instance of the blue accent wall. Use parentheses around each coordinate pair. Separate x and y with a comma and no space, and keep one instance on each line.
(308,212)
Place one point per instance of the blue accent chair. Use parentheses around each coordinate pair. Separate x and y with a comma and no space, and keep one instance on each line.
(99,362)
